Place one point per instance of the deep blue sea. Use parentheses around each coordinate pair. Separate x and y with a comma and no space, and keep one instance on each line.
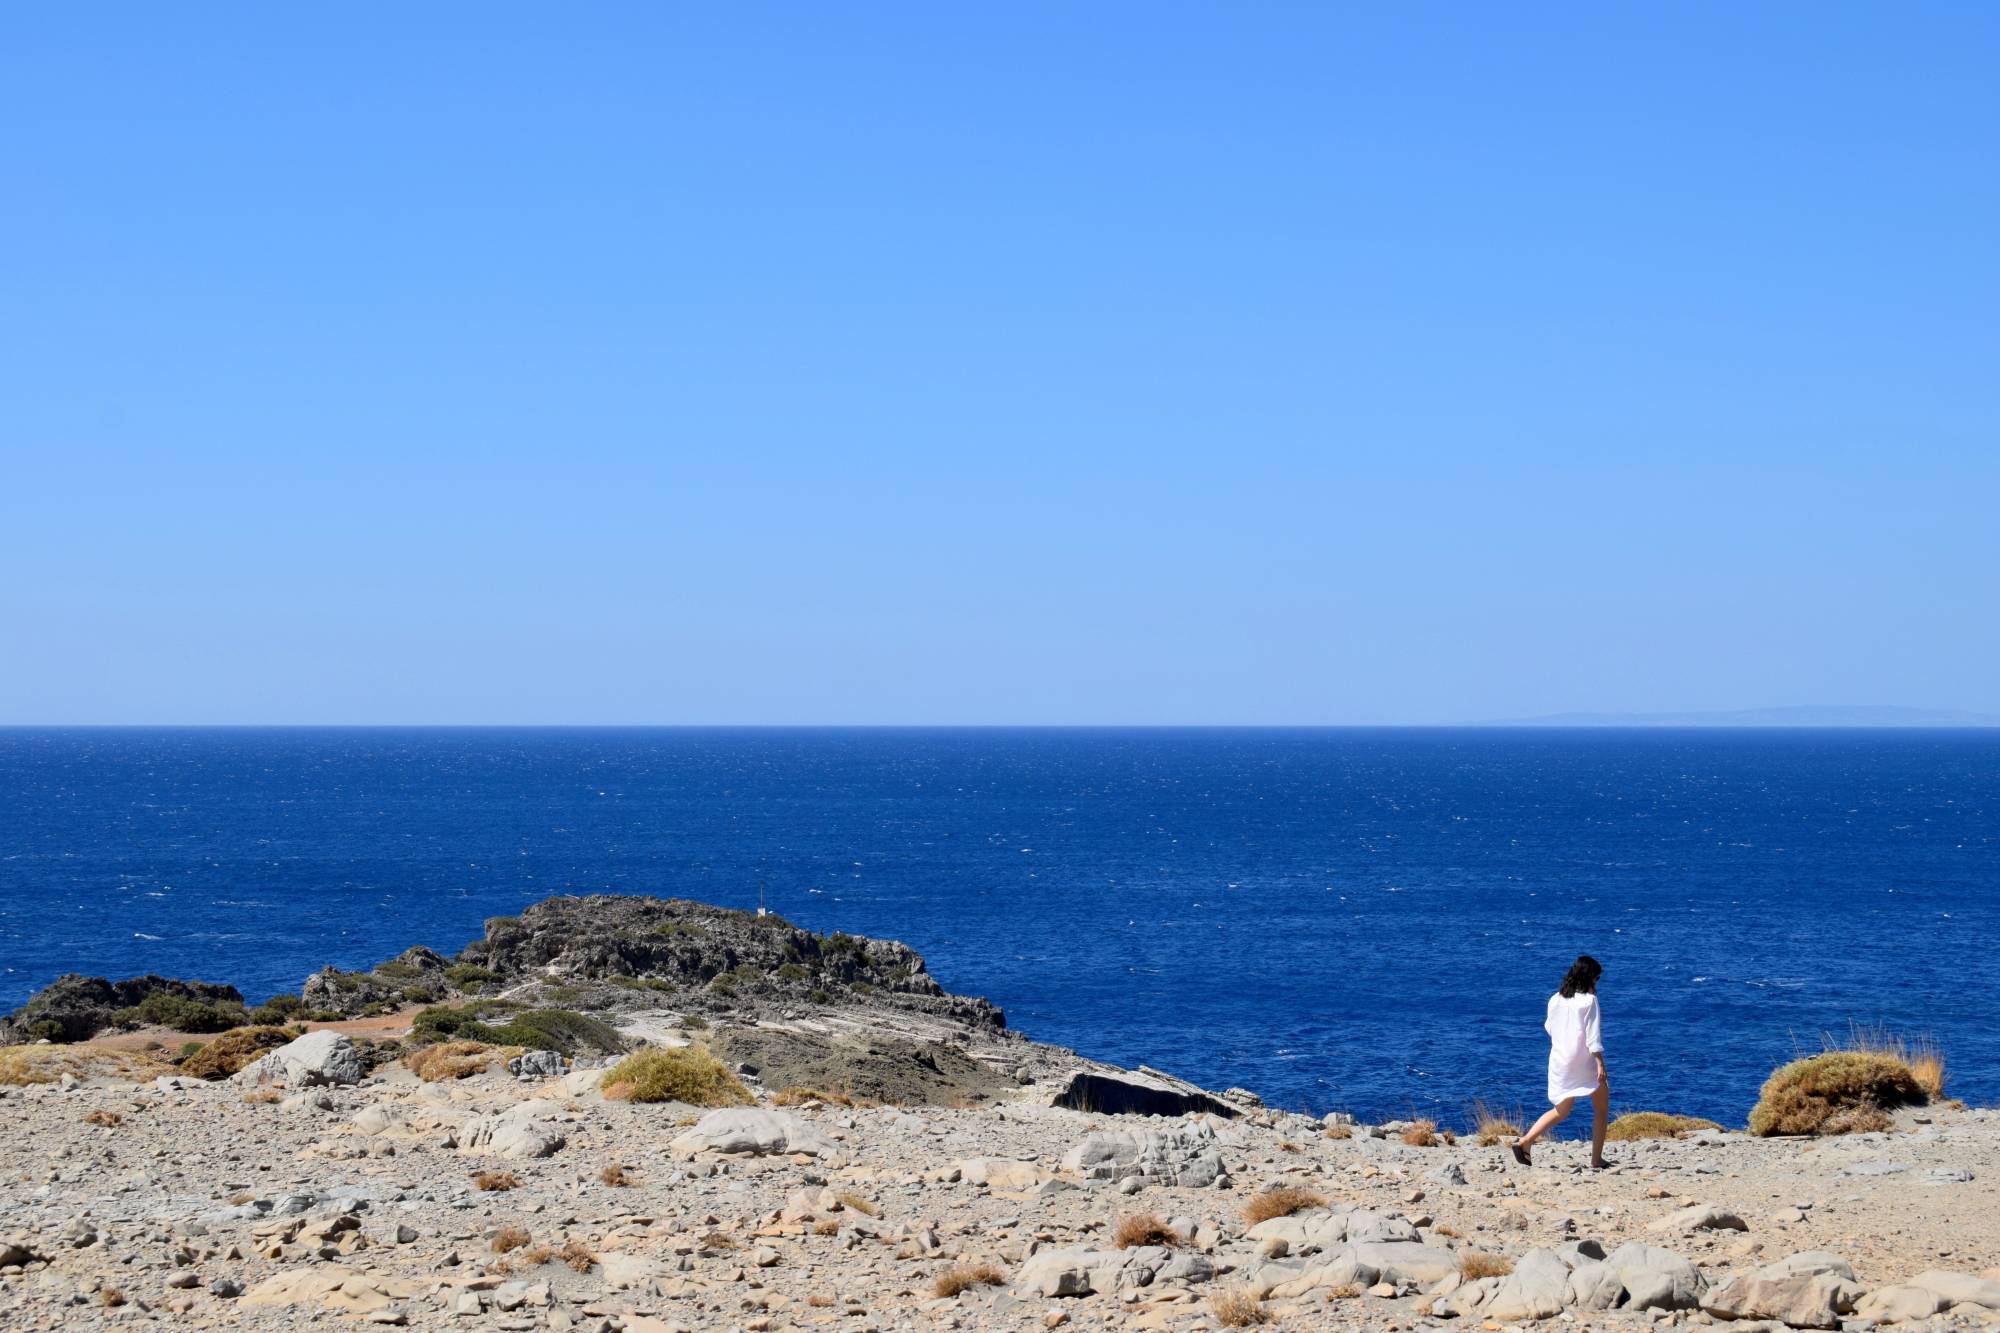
(1359,919)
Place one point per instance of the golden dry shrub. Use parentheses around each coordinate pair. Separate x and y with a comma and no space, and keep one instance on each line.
(1837,1092)
(679,1074)
(104,1119)
(1144,1229)
(510,1238)
(1235,1307)
(1493,1125)
(1340,1131)
(1654,1125)
(964,1277)
(496,1180)
(617,1177)
(232,1051)
(576,1256)
(1421,1134)
(855,1203)
(1475,1264)
(449,1059)
(1280,1201)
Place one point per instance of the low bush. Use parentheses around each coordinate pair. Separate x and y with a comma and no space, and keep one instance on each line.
(559,1030)
(1144,1229)
(494,1181)
(1280,1201)
(104,1119)
(1475,1264)
(1837,1092)
(450,1059)
(23,1066)
(1421,1134)
(470,977)
(617,1177)
(232,1051)
(682,1074)
(181,1014)
(964,1277)
(1654,1125)
(508,1239)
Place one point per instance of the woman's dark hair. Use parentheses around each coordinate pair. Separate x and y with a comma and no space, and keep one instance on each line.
(1581,979)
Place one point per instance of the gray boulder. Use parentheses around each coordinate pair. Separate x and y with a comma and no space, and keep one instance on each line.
(1536,1289)
(1083,1272)
(1960,1289)
(1187,1155)
(755,1132)
(316,1059)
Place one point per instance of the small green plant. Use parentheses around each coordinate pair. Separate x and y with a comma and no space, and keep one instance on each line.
(182,1014)
(792,972)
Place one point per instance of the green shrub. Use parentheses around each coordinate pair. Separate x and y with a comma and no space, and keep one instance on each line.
(820,997)
(1839,1092)
(684,1074)
(182,1014)
(792,972)
(724,984)
(538,1029)
(470,977)
(398,971)
(46,1029)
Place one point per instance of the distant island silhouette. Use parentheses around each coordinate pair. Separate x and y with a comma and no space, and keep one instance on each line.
(1797,715)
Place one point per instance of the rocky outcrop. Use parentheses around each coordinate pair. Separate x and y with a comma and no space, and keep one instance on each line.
(76,1008)
(712,955)
(1147,1092)
(749,1131)
(1082,1272)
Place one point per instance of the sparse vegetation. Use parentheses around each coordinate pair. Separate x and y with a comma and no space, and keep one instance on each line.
(1421,1134)
(1338,1132)
(826,1226)
(181,1014)
(104,1119)
(1654,1125)
(110,1297)
(1144,1229)
(682,1074)
(232,1051)
(855,1203)
(1280,1201)
(263,1097)
(1235,1307)
(492,1181)
(510,1238)
(1491,1125)
(1837,1092)
(1475,1264)
(560,1030)
(21,1066)
(576,1256)
(964,1277)
(615,1176)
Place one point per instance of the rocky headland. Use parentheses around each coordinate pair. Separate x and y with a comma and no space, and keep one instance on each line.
(628,1113)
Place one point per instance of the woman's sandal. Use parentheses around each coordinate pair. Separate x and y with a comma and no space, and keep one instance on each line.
(1521,1154)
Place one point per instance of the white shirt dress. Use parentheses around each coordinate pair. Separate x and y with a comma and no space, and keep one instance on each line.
(1575,1041)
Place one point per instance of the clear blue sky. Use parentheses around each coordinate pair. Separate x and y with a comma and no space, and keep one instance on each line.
(1003,363)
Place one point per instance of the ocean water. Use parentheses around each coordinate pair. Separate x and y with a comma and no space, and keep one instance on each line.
(1366,920)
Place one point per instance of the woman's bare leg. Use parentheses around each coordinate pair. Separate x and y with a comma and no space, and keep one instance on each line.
(1552,1117)
(1600,1118)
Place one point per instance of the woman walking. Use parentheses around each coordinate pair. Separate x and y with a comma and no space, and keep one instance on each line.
(1576,1060)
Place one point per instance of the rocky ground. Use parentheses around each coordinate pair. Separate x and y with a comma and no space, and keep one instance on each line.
(247,1204)
(950,1174)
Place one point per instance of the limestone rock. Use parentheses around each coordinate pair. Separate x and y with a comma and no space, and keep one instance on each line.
(1187,1155)
(1000,1173)
(316,1059)
(756,1132)
(1082,1272)
(1960,1289)
(1900,1304)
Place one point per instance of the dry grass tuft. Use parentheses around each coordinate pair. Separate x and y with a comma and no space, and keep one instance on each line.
(576,1256)
(508,1239)
(1923,1056)
(716,1240)
(819,1300)
(1492,1124)
(449,1059)
(1340,1131)
(21,1066)
(263,1097)
(826,1226)
(799,1096)
(1237,1308)
(106,1119)
(1837,1092)
(535,1256)
(1346,1291)
(496,1180)
(617,1177)
(1654,1125)
(1288,1147)
(964,1277)
(680,1074)
(1280,1201)
(855,1203)
(1421,1134)
(110,1297)
(1475,1264)
(1446,1229)
(1145,1229)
